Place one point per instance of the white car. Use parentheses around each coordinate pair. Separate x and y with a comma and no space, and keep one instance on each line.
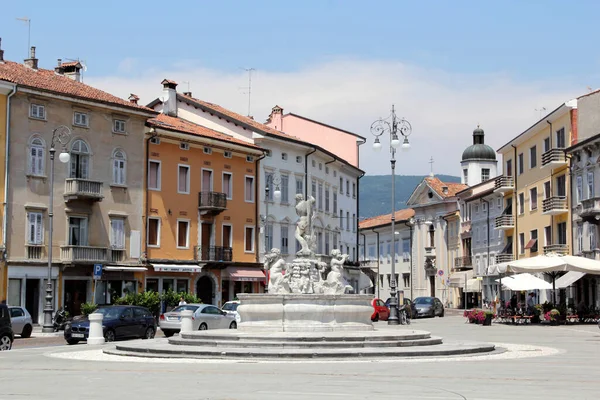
(231,308)
(205,316)
(21,321)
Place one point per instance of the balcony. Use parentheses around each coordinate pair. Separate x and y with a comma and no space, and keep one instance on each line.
(429,252)
(590,208)
(554,158)
(463,262)
(212,203)
(504,257)
(213,253)
(35,251)
(83,254)
(554,205)
(505,222)
(504,184)
(83,189)
(592,254)
(117,255)
(557,248)
(465,229)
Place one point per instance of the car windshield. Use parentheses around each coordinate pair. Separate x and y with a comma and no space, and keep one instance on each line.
(230,307)
(110,312)
(186,307)
(423,300)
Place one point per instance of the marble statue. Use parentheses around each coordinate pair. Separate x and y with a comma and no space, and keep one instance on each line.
(304,235)
(335,283)
(275,264)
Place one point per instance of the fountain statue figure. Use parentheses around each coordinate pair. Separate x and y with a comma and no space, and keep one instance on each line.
(304,209)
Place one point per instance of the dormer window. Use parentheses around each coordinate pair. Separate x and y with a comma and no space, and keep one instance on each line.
(80,119)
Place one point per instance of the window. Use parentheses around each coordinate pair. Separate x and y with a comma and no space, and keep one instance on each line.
(314,163)
(299,159)
(335,201)
(476,235)
(466,175)
(299,185)
(117,233)
(154,175)
(327,199)
(184,146)
(579,195)
(249,159)
(327,243)
(334,174)
(521,243)
(320,167)
(406,279)
(353,223)
(319,242)
(521,162)
(183,229)
(80,160)
(533,200)
(119,171)
(521,203)
(546,144)
(284,239)
(155,140)
(579,238)
(249,189)
(485,174)
(562,232)
(249,239)
(320,200)
(347,220)
(207,150)
(509,171)
(227,154)
(347,188)
(227,185)
(35,228)
(118,126)
(546,189)
(269,235)
(341,185)
(476,206)
(327,170)
(561,186)
(592,236)
(533,157)
(353,190)
(590,185)
(183,179)
(547,235)
(313,189)
(207,180)
(483,207)
(78,231)
(405,250)
(36,157)
(153,232)
(284,156)
(560,138)
(534,241)
(80,119)
(341,219)
(285,189)
(37,111)
(335,241)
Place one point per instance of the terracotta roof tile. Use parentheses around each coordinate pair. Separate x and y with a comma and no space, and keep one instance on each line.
(168,81)
(70,64)
(180,125)
(401,215)
(48,81)
(437,185)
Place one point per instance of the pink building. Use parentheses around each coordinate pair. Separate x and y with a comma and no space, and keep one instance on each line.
(343,144)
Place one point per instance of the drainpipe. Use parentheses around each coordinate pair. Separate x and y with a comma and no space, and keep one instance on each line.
(257,208)
(488,239)
(153,134)
(357,205)
(314,150)
(551,189)
(569,205)
(377,233)
(6,166)
(515,196)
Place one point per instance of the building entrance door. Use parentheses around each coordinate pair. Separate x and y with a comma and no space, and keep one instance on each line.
(204,290)
(32,297)
(75,294)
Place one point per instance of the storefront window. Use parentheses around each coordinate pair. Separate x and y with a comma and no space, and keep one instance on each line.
(14,292)
(152,285)
(182,286)
(100,296)
(128,287)
(115,290)
(168,284)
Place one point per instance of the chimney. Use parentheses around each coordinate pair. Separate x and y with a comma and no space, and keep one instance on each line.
(445,189)
(188,94)
(59,68)
(1,53)
(32,62)
(133,98)
(72,70)
(169,98)
(276,118)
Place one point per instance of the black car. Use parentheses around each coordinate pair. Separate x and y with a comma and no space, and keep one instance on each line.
(119,322)
(429,307)
(6,333)
(407,304)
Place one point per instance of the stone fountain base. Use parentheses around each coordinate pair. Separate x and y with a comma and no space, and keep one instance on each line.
(305,312)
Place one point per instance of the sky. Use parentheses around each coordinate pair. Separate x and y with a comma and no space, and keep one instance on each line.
(446,66)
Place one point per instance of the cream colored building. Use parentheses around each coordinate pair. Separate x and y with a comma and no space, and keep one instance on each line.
(98,194)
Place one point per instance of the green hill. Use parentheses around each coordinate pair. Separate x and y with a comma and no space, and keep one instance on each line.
(376,196)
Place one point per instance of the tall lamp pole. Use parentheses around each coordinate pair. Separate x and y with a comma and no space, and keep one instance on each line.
(393,127)
(61,136)
(273,179)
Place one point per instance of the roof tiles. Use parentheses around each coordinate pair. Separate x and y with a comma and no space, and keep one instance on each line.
(401,215)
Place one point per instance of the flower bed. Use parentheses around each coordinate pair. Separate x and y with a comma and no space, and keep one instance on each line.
(476,316)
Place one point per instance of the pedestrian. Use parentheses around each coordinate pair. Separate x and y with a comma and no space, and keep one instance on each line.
(182,301)
(513,302)
(531,303)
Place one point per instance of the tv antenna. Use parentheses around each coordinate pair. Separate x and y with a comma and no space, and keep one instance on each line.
(541,111)
(83,65)
(249,87)
(431,166)
(28,22)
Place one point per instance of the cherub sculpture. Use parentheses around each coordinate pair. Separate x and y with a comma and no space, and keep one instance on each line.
(335,283)
(275,264)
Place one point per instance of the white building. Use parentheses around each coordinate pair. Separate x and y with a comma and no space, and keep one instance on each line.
(478,161)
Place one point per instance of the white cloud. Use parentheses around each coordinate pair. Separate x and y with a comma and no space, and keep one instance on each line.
(442,107)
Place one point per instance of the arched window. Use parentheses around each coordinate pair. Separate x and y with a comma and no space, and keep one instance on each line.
(80,160)
(36,159)
(119,167)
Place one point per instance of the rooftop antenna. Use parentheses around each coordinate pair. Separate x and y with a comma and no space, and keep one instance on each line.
(83,65)
(431,166)
(541,111)
(249,71)
(28,22)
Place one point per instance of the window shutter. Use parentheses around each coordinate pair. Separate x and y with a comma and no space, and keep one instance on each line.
(121,233)
(83,232)
(74,162)
(122,172)
(40,161)
(31,228)
(84,166)
(38,228)
(115,172)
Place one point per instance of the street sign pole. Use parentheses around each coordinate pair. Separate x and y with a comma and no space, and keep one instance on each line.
(97,276)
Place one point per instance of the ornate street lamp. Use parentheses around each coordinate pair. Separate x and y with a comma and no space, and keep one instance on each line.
(61,135)
(393,127)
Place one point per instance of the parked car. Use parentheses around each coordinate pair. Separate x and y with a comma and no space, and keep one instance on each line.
(6,333)
(407,303)
(231,308)
(429,307)
(205,316)
(21,321)
(380,311)
(119,322)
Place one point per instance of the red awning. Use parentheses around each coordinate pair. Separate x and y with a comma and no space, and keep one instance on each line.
(245,274)
(530,244)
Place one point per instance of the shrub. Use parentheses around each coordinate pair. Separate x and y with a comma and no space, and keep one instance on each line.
(88,308)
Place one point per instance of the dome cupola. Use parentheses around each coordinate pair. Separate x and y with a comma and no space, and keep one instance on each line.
(479,150)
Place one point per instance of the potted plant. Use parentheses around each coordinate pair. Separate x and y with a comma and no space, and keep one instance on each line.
(552,316)
(488,316)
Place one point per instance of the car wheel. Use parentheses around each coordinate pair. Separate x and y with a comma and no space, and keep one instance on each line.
(72,341)
(149,334)
(109,336)
(168,333)
(442,314)
(26,331)
(233,325)
(5,343)
(203,327)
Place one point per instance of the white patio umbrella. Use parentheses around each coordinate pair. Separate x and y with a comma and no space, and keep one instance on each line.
(524,282)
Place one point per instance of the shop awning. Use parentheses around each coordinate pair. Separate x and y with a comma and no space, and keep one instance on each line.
(459,279)
(244,274)
(124,268)
(530,244)
(524,282)
(568,279)
(473,286)
(176,267)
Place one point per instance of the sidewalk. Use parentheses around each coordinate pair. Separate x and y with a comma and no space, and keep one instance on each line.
(37,332)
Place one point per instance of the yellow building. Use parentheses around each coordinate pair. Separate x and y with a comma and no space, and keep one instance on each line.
(535,182)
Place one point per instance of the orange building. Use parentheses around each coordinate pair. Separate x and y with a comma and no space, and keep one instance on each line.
(201,211)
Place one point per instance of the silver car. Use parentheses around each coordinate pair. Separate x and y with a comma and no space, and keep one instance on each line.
(205,316)
(231,308)
(21,321)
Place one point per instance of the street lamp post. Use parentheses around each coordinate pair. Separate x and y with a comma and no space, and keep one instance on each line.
(60,135)
(272,179)
(392,126)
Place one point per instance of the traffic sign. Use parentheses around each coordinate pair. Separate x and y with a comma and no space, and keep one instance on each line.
(440,272)
(97,271)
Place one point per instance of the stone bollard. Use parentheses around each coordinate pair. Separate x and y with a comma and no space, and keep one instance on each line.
(96,335)
(186,321)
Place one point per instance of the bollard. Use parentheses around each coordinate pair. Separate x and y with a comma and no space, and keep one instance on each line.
(186,321)
(96,335)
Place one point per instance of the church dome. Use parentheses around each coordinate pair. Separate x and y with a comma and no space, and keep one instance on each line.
(479,150)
